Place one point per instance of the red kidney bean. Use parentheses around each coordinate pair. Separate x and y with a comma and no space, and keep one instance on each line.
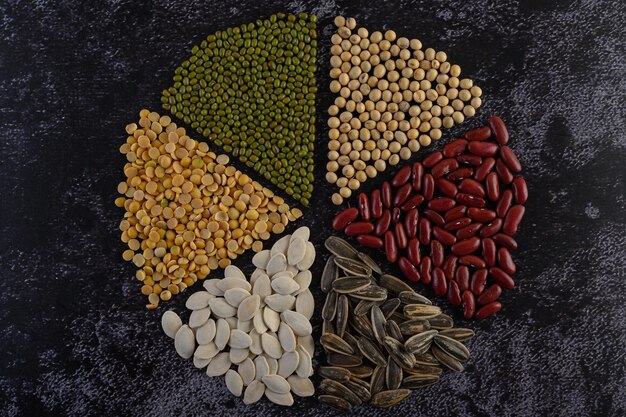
(412,202)
(481,215)
(454,294)
(457,224)
(455,213)
(345,217)
(401,195)
(408,269)
(440,284)
(446,187)
(370,241)
(462,277)
(468,231)
(483,148)
(488,310)
(491,229)
(473,261)
(499,130)
(396,213)
(502,278)
(489,251)
(436,252)
(432,159)
(417,173)
(510,159)
(460,173)
(401,239)
(364,206)
(473,187)
(469,159)
(428,187)
(449,266)
(376,204)
(504,204)
(386,194)
(520,190)
(465,247)
(391,249)
(444,237)
(424,231)
(470,200)
(358,228)
(382,225)
(482,133)
(441,204)
(469,304)
(434,217)
(490,294)
(443,167)
(493,186)
(454,148)
(505,240)
(410,222)
(478,281)
(485,168)
(505,261)
(401,177)
(513,219)
(504,173)
(413,251)
(426,267)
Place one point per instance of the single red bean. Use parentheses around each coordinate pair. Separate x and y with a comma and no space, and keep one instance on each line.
(469,304)
(436,252)
(490,294)
(449,266)
(391,250)
(504,173)
(502,278)
(364,206)
(396,213)
(488,310)
(410,222)
(513,219)
(401,195)
(426,267)
(359,228)
(412,202)
(434,217)
(417,173)
(483,148)
(473,187)
(424,231)
(413,251)
(465,247)
(482,133)
(469,159)
(469,200)
(462,277)
(505,240)
(382,225)
(489,251)
(485,168)
(499,130)
(441,204)
(370,241)
(473,261)
(504,204)
(460,173)
(454,148)
(468,231)
(401,177)
(432,159)
(446,187)
(345,217)
(455,213)
(408,269)
(478,281)
(376,204)
(520,190)
(443,167)
(440,284)
(510,159)
(458,223)
(386,194)
(444,237)
(401,239)
(493,186)
(505,261)
(481,215)
(491,229)
(454,294)
(428,187)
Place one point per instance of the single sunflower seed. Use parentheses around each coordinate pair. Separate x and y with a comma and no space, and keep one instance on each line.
(393,375)
(335,402)
(446,360)
(458,333)
(334,372)
(421,311)
(394,284)
(371,351)
(333,343)
(452,347)
(353,267)
(329,274)
(350,284)
(386,399)
(369,262)
(340,248)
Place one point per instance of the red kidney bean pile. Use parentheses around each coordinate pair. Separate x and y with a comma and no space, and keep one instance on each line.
(449,220)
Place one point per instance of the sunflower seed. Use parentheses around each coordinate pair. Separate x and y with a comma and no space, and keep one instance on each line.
(296,251)
(334,372)
(271,345)
(333,343)
(377,382)
(441,321)
(279,302)
(420,343)
(394,284)
(392,329)
(371,293)
(361,371)
(378,323)
(330,306)
(253,392)
(345,361)
(445,359)
(234,382)
(219,365)
(397,351)
(309,257)
(352,341)
(424,370)
(337,388)
(198,300)
(335,402)
(393,375)
(302,387)
(458,333)
(411,297)
(427,359)
(371,351)
(452,347)
(262,367)
(350,284)
(386,399)
(419,381)
(328,327)
(341,315)
(184,342)
(276,383)
(260,259)
(362,326)
(288,363)
(300,325)
(369,262)
(171,322)
(414,326)
(363,307)
(246,370)
(328,275)
(390,306)
(421,311)
(286,337)
(360,388)
(340,248)
(353,267)
(305,304)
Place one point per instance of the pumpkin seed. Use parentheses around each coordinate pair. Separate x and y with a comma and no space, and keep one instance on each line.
(211,286)
(233,282)
(184,342)
(246,370)
(276,383)
(262,286)
(198,300)
(253,392)
(260,259)
(221,308)
(271,319)
(233,271)
(296,250)
(309,257)
(305,364)
(262,367)
(235,296)
(222,334)
(307,344)
(279,302)
(286,337)
(219,365)
(300,325)
(276,264)
(288,363)
(199,317)
(171,323)
(206,351)
(280,247)
(305,304)
(284,284)
(303,279)
(302,387)
(234,382)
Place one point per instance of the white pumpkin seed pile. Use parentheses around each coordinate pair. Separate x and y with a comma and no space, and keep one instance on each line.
(256,333)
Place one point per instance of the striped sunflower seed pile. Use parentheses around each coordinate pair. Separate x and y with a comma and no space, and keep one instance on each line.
(382,339)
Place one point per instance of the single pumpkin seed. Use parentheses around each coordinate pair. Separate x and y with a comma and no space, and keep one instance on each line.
(307,344)
(247,371)
(221,308)
(198,300)
(281,246)
(199,317)
(219,365)
(285,284)
(279,302)
(288,363)
(276,264)
(300,325)
(308,259)
(303,279)
(171,323)
(296,251)
(206,351)
(253,392)
(211,286)
(271,345)
(249,307)
(302,387)
(233,282)
(260,259)
(286,337)
(305,304)
(261,366)
(276,383)
(262,286)
(233,271)
(235,296)
(222,333)
(239,339)
(305,364)
(271,319)
(234,382)
(184,342)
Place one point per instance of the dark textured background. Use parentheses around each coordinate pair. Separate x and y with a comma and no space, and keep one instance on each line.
(75,338)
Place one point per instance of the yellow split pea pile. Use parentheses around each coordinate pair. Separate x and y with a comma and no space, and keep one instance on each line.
(187,210)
